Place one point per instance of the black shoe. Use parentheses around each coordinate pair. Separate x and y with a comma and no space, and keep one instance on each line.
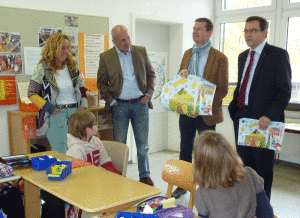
(178,192)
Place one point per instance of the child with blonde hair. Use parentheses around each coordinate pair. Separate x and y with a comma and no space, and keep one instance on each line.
(227,189)
(82,142)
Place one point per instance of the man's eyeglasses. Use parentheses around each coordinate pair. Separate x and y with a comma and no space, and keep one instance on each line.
(250,31)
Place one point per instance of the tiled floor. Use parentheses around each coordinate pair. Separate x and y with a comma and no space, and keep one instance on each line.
(285,192)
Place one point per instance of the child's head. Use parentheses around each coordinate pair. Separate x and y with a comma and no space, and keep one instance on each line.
(81,122)
(217,164)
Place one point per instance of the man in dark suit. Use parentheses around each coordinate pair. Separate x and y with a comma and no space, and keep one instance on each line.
(263,92)
(126,82)
(207,62)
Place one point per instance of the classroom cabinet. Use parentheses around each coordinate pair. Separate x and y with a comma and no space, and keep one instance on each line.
(19,144)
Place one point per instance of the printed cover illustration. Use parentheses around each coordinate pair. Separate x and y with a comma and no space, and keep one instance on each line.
(189,95)
(251,135)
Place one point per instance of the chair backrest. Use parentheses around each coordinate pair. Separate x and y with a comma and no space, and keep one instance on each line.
(181,174)
(118,153)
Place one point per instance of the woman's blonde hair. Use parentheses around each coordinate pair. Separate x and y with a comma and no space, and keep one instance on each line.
(217,164)
(79,121)
(51,47)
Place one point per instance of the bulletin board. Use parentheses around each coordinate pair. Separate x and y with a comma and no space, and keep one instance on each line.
(27,22)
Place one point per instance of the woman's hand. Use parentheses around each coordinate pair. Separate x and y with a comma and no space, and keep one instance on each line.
(56,111)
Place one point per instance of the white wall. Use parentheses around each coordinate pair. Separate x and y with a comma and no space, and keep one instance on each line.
(120,12)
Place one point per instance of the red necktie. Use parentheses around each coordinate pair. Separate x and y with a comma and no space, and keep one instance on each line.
(241,98)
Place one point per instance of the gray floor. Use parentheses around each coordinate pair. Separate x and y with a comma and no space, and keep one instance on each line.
(285,191)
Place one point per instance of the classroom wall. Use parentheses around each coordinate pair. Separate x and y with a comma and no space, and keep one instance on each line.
(121,12)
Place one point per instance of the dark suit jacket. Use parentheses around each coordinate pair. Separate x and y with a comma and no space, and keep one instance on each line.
(270,90)
(215,71)
(110,77)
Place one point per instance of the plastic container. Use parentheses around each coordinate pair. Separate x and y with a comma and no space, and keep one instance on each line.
(42,162)
(59,170)
(93,99)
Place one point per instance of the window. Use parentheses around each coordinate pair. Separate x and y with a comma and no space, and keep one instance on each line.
(238,4)
(284,31)
(293,48)
(232,43)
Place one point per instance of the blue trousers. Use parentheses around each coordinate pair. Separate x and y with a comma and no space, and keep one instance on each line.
(58,130)
(188,127)
(138,113)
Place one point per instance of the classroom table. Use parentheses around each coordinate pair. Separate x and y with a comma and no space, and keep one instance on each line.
(292,128)
(92,189)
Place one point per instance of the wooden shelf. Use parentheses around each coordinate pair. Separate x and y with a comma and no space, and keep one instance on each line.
(19,145)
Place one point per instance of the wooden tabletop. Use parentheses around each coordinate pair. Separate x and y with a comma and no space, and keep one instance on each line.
(92,189)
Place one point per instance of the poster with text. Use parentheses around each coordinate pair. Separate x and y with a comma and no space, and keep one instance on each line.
(8,92)
(90,47)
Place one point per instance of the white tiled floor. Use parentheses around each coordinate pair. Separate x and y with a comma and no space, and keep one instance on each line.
(285,197)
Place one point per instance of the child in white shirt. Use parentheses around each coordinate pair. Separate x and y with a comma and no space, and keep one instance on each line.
(82,142)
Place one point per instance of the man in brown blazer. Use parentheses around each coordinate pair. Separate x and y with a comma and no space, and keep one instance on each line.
(126,82)
(210,64)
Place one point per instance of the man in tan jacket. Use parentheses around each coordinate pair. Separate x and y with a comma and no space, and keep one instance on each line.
(126,82)
(204,61)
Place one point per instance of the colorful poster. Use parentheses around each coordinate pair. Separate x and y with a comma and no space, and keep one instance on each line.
(45,33)
(191,95)
(159,64)
(251,135)
(29,127)
(8,92)
(10,42)
(10,64)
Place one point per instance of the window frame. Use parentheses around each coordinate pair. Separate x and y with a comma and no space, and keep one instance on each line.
(287,5)
(219,12)
(241,18)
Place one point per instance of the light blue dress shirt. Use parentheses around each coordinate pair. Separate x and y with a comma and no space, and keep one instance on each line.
(202,62)
(130,89)
(257,54)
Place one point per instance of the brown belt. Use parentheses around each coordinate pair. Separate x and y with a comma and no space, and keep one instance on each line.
(131,101)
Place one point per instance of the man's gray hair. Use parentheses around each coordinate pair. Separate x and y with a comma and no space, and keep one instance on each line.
(117,28)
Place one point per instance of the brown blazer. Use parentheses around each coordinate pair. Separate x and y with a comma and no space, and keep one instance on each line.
(110,77)
(215,71)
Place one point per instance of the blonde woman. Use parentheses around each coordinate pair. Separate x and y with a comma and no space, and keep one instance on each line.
(57,88)
(227,189)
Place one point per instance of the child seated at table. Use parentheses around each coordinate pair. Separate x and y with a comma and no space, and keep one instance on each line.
(82,143)
(226,187)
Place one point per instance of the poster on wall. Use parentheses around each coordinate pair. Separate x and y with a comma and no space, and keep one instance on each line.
(90,46)
(71,29)
(45,33)
(10,42)
(8,92)
(159,64)
(10,64)
(228,98)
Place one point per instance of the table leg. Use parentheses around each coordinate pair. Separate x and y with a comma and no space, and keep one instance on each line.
(32,201)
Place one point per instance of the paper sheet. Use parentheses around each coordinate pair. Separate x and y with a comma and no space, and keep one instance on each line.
(32,56)
(23,90)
